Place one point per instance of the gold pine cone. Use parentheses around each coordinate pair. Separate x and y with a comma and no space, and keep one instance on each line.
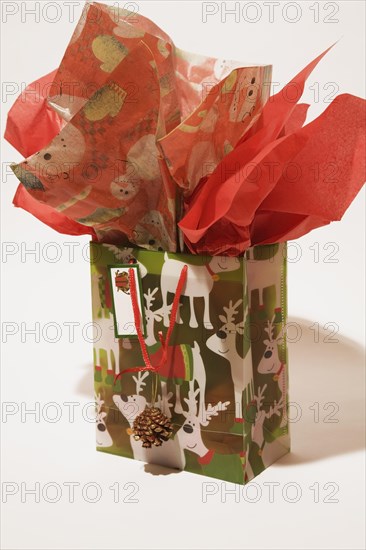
(152,427)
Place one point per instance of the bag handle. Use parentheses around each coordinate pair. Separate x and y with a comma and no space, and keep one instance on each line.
(137,319)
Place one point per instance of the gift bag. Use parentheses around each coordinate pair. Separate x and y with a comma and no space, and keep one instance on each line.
(190,178)
(223,385)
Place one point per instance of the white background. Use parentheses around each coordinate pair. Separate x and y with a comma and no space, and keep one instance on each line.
(325,377)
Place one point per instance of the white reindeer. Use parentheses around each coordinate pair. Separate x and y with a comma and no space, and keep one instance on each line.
(261,415)
(189,435)
(130,406)
(262,274)
(199,283)
(102,435)
(96,300)
(271,364)
(198,375)
(103,328)
(224,344)
(152,315)
(104,339)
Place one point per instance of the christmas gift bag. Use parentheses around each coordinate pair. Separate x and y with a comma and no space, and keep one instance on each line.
(223,385)
(190,178)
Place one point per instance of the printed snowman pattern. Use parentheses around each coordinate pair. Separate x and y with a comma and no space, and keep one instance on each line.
(126,186)
(53,162)
(245,97)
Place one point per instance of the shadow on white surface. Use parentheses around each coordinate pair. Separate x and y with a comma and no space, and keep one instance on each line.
(85,384)
(157,470)
(327,395)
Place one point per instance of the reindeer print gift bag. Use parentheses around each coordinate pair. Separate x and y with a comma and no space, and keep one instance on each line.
(168,152)
(223,385)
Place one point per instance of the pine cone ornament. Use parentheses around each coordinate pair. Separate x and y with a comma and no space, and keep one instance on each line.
(152,427)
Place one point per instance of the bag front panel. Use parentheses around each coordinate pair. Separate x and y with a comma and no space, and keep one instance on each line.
(207,385)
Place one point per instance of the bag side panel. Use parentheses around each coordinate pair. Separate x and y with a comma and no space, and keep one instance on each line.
(267,301)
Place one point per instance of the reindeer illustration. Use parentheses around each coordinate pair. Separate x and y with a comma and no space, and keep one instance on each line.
(130,406)
(200,280)
(270,363)
(103,327)
(224,344)
(151,316)
(264,274)
(186,360)
(104,339)
(189,435)
(102,435)
(261,416)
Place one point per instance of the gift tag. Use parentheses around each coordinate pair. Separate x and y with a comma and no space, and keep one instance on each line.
(124,321)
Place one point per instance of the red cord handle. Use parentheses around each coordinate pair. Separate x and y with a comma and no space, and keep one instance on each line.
(137,319)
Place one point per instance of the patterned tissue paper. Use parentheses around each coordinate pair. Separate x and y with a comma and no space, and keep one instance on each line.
(136,142)
(282,179)
(92,129)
